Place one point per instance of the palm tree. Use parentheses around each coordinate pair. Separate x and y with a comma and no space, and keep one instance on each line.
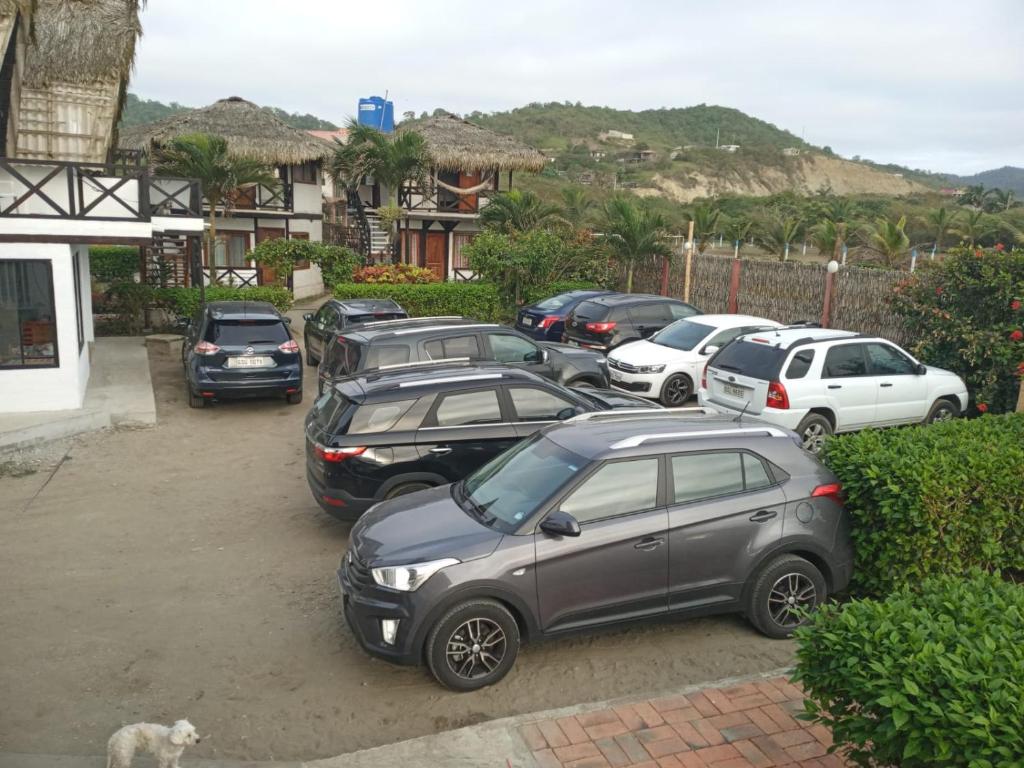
(634,232)
(828,237)
(777,231)
(940,222)
(1000,200)
(519,211)
(737,229)
(705,219)
(390,158)
(975,226)
(890,239)
(206,158)
(576,206)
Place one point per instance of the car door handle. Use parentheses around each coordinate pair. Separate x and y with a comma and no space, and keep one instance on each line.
(835,386)
(763,516)
(885,384)
(648,544)
(440,451)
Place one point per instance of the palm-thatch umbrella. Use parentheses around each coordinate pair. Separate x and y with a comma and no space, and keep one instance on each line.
(250,132)
(455,144)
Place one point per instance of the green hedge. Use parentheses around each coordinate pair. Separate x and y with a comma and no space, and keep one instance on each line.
(185,301)
(477,300)
(928,677)
(111,263)
(933,499)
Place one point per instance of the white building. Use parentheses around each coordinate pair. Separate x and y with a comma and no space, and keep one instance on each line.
(60,101)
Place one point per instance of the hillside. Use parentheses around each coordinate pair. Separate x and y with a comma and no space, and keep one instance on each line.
(138,111)
(1007,178)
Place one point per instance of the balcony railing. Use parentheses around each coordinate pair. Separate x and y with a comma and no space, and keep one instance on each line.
(45,189)
(415,198)
(262,197)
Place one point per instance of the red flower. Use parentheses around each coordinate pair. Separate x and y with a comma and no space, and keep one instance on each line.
(979,253)
(982,408)
(1000,247)
(938,291)
(1017,335)
(1015,305)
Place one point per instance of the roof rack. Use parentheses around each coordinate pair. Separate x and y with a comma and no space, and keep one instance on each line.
(376,323)
(446,379)
(631,412)
(467,324)
(638,440)
(420,363)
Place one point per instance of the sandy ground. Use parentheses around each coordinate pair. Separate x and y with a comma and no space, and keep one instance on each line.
(185,571)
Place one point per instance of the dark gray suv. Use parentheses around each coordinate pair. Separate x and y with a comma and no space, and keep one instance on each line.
(600,519)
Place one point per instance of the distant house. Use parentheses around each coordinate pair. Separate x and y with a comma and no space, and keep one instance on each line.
(586,178)
(729,147)
(615,136)
(292,209)
(791,151)
(642,156)
(597,154)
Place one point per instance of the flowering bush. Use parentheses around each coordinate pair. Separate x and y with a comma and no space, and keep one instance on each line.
(966,311)
(394,273)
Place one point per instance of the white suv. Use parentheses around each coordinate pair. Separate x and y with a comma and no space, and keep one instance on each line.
(818,382)
(667,365)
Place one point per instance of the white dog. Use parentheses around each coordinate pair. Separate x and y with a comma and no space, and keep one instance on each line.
(165,744)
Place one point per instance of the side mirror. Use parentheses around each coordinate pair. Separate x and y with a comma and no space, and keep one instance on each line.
(286,319)
(710,349)
(566,413)
(308,317)
(560,523)
(921,369)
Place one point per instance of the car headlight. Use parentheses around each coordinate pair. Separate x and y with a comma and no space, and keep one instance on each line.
(650,369)
(409,578)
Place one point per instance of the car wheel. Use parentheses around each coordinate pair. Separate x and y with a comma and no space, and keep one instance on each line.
(783,592)
(294,398)
(194,400)
(676,390)
(942,410)
(473,645)
(813,430)
(404,488)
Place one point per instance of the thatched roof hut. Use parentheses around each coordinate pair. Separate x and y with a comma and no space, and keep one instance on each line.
(455,144)
(249,131)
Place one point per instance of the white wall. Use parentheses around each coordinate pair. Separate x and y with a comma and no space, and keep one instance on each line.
(51,389)
(307,198)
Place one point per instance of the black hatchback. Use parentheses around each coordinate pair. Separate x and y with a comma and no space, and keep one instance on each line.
(240,349)
(605,322)
(383,434)
(337,315)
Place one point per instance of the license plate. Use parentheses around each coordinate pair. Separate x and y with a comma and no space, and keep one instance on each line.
(732,391)
(250,362)
(527,321)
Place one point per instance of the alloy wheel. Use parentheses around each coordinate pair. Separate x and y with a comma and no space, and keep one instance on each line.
(677,391)
(476,648)
(944,413)
(814,437)
(789,596)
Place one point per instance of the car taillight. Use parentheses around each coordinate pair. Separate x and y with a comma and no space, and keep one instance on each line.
(777,396)
(289,346)
(336,455)
(601,327)
(832,491)
(206,348)
(548,321)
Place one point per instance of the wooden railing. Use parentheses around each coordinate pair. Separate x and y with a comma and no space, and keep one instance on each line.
(263,197)
(413,197)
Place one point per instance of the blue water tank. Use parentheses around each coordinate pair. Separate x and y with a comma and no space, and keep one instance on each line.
(377,113)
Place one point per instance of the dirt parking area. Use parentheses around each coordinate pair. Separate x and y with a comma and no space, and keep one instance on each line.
(185,571)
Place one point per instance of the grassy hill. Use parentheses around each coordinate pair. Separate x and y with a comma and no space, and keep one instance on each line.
(1008,178)
(138,111)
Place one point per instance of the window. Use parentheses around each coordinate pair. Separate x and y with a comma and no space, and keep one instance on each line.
(845,360)
(684,335)
(679,311)
(615,489)
(889,361)
(800,364)
(722,338)
(460,241)
(391,354)
(230,250)
(651,314)
(480,407)
(379,417)
(750,358)
(703,475)
(306,173)
(28,324)
(240,333)
(755,474)
(328,316)
(537,405)
(455,346)
(512,349)
(76,263)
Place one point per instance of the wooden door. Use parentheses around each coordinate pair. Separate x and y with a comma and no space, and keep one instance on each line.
(437,247)
(468,203)
(267,276)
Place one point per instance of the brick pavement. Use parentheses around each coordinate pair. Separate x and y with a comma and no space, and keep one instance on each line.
(750,725)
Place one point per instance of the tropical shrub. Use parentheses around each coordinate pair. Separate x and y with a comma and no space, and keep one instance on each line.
(336,262)
(128,300)
(929,500)
(967,312)
(185,301)
(931,676)
(394,273)
(480,301)
(111,263)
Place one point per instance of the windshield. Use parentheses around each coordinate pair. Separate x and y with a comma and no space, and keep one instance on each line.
(682,334)
(239,333)
(555,302)
(507,490)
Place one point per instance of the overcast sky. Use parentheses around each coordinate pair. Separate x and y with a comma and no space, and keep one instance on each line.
(935,84)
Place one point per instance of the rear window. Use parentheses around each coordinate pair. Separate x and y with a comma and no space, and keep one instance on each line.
(239,333)
(750,358)
(591,310)
(342,356)
(376,316)
(378,417)
(556,302)
(330,409)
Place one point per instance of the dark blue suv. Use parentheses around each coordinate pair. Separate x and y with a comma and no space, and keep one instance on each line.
(545,320)
(240,349)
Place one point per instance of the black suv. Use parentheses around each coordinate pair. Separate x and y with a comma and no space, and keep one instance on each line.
(240,349)
(396,343)
(605,322)
(337,315)
(600,519)
(385,434)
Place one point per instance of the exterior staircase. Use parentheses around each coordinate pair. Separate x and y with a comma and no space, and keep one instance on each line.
(378,238)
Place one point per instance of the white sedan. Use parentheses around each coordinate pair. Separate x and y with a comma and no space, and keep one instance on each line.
(667,365)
